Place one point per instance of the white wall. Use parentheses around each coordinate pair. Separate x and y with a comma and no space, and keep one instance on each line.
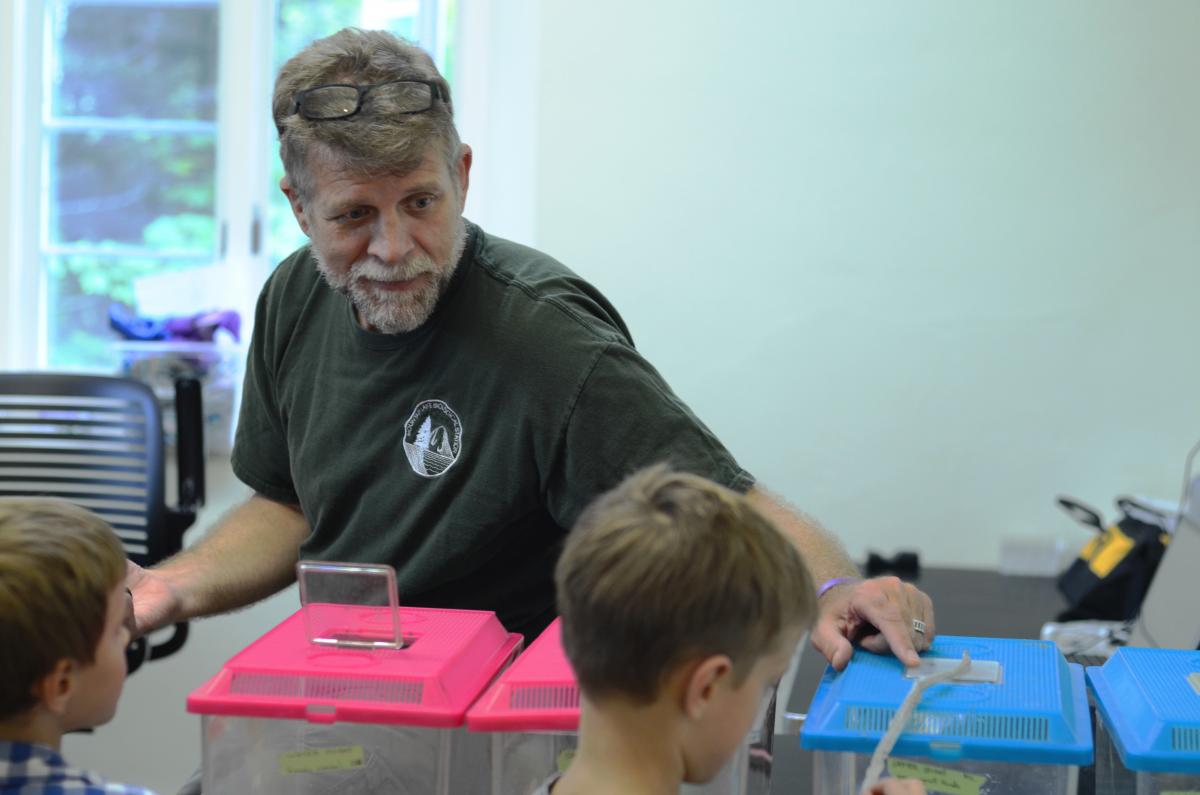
(921,265)
(495,106)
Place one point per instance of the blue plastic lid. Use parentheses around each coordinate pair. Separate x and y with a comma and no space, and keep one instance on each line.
(1149,700)
(1036,713)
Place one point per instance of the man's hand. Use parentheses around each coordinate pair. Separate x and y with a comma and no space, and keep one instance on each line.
(898,786)
(878,615)
(250,554)
(152,602)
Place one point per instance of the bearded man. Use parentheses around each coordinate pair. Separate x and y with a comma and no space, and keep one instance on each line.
(423,394)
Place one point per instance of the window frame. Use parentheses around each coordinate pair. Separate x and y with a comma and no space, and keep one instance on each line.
(25,214)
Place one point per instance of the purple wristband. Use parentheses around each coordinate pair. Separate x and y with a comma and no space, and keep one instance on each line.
(825,586)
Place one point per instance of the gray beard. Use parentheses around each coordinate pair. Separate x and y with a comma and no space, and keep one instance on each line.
(395,313)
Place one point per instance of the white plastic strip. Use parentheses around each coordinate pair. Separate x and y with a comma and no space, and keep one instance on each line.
(903,715)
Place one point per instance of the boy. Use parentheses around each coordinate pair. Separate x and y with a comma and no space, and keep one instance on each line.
(63,635)
(681,606)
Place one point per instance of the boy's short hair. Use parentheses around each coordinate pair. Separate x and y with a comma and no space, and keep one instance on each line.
(669,567)
(58,565)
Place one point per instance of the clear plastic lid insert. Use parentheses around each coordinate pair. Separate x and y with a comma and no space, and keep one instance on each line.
(328,589)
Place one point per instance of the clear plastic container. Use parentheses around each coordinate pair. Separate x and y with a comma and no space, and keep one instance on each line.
(1148,715)
(275,756)
(353,698)
(531,715)
(1111,776)
(1021,727)
(842,774)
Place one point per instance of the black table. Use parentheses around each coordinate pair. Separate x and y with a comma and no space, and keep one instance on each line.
(967,602)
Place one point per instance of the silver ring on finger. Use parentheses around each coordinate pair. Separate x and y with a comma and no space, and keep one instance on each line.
(918,626)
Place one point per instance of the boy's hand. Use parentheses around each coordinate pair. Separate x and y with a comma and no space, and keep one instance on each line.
(881,614)
(899,786)
(152,602)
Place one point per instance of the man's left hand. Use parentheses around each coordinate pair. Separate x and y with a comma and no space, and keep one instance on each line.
(881,614)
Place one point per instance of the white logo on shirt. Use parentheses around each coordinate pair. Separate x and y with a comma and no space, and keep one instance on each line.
(432,438)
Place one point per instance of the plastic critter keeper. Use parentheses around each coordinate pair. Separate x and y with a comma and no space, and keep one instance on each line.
(1023,728)
(532,715)
(1148,712)
(299,712)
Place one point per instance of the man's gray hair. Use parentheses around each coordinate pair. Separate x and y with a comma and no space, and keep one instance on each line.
(377,140)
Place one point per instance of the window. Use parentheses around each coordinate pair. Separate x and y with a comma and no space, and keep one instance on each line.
(155,152)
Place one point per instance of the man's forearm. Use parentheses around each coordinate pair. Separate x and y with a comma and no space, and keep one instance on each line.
(249,555)
(880,614)
(824,554)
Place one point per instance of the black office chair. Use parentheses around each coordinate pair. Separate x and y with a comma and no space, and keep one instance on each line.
(98,442)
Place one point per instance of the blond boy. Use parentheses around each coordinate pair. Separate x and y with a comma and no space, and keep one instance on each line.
(681,608)
(63,636)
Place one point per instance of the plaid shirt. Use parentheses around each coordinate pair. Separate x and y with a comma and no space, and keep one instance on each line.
(27,769)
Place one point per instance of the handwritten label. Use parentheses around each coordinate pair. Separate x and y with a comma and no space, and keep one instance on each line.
(316,759)
(1194,681)
(564,759)
(938,779)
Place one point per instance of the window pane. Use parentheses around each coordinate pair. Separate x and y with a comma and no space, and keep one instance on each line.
(153,60)
(130,154)
(143,189)
(80,290)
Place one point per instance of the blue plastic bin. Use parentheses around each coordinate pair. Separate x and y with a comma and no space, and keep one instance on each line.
(1026,733)
(1148,703)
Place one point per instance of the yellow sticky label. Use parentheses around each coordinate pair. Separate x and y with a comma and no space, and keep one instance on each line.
(1114,546)
(938,779)
(564,759)
(314,759)
(1194,681)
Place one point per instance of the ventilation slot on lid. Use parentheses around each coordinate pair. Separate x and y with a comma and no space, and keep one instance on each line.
(1185,739)
(996,727)
(544,697)
(952,724)
(265,685)
(868,719)
(398,691)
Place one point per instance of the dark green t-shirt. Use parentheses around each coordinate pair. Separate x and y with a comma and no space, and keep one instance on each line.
(460,451)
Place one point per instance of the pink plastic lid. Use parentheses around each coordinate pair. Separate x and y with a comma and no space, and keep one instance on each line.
(449,657)
(537,693)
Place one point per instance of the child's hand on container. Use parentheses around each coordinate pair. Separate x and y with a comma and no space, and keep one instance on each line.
(899,786)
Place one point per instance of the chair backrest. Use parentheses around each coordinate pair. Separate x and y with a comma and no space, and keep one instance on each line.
(97,441)
(92,440)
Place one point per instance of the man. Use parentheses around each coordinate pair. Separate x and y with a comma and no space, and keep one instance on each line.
(422,394)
